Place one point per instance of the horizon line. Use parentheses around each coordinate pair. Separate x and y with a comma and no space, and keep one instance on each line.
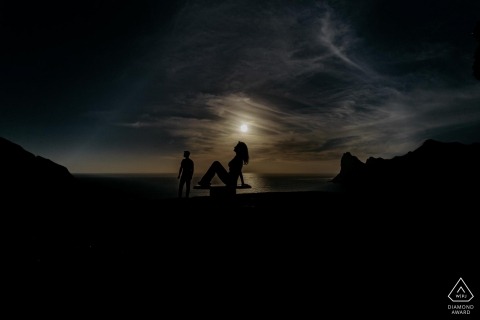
(174,173)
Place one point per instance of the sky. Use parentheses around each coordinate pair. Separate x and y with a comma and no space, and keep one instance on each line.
(126,87)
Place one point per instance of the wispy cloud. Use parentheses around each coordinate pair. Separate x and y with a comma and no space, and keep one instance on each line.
(300,77)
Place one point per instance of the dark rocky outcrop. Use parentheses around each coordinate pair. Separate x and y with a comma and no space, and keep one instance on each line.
(25,176)
(352,169)
(433,166)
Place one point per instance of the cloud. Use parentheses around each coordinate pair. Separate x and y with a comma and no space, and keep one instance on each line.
(304,80)
(312,79)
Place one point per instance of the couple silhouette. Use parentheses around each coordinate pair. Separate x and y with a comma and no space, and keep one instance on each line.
(229,177)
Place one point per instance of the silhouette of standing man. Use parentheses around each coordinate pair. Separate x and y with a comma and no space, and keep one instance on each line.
(185,174)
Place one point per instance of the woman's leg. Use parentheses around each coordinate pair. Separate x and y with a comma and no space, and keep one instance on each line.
(215,168)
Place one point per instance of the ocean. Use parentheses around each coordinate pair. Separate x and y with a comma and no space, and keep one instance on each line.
(161,186)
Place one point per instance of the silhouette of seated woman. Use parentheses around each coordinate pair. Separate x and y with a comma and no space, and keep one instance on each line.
(235,166)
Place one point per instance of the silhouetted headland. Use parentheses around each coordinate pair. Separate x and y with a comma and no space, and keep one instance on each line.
(434,167)
(26,176)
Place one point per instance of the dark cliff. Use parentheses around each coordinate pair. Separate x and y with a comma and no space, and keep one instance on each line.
(25,175)
(434,165)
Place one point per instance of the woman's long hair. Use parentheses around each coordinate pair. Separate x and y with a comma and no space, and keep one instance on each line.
(242,151)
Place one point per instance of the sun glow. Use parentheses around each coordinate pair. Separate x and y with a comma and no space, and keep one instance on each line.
(244,128)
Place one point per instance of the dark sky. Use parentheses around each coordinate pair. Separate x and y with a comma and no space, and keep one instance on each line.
(111,86)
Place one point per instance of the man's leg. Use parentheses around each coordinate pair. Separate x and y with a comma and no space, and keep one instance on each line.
(187,190)
(180,187)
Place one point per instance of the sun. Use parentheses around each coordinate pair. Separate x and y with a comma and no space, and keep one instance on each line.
(244,128)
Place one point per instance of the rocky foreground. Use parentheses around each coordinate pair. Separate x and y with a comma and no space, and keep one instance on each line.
(378,254)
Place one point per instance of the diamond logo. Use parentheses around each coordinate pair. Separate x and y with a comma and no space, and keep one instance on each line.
(460,292)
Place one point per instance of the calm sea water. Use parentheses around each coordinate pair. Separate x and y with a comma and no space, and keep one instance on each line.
(160,186)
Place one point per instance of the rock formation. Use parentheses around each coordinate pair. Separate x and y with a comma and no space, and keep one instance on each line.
(26,176)
(434,165)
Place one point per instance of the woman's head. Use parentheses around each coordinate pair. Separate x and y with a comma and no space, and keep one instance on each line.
(242,151)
